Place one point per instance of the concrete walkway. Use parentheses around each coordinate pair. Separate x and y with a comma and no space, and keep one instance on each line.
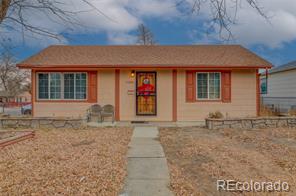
(147,166)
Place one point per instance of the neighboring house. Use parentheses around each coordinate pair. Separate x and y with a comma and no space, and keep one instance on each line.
(24,97)
(11,100)
(5,97)
(279,89)
(146,83)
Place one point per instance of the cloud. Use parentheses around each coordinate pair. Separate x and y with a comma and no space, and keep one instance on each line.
(253,29)
(121,38)
(17,37)
(281,28)
(154,8)
(116,18)
(111,16)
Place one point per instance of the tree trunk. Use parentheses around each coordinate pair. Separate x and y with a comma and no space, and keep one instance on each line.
(3,9)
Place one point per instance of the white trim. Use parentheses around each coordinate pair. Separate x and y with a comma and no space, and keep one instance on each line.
(208,87)
(62,86)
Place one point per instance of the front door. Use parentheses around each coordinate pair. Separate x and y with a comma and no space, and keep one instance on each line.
(146,93)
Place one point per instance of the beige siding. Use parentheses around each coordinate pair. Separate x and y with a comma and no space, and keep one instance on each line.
(106,87)
(106,91)
(243,98)
(164,97)
(243,101)
(48,109)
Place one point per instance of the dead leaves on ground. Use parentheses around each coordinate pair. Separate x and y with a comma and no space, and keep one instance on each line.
(66,162)
(198,157)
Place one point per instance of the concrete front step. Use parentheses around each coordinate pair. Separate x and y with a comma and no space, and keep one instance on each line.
(145,132)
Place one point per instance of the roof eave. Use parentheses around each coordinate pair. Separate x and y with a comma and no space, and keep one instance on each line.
(30,66)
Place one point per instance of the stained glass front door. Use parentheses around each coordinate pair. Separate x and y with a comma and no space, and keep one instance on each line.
(146,93)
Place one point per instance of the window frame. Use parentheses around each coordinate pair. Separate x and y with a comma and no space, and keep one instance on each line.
(37,86)
(62,87)
(86,86)
(208,86)
(49,86)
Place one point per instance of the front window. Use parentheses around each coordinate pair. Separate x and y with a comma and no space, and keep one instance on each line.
(208,85)
(57,86)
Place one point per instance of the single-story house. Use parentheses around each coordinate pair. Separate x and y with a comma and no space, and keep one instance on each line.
(278,87)
(146,83)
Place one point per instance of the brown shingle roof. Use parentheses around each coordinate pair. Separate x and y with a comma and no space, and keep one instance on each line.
(157,56)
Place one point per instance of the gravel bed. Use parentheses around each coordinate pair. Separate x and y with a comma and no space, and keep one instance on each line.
(198,157)
(66,162)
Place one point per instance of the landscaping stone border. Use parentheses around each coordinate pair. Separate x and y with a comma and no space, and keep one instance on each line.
(251,123)
(49,123)
(23,135)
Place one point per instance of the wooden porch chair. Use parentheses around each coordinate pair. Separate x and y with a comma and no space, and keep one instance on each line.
(108,111)
(94,110)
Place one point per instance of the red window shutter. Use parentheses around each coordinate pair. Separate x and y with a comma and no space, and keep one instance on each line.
(92,87)
(190,86)
(226,87)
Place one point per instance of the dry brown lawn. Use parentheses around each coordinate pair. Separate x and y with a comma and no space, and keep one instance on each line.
(197,157)
(66,162)
(4,134)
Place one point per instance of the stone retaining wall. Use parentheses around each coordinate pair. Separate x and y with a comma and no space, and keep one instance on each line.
(251,123)
(49,123)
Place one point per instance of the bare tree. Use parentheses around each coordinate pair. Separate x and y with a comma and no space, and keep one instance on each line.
(12,13)
(3,9)
(223,13)
(12,79)
(145,36)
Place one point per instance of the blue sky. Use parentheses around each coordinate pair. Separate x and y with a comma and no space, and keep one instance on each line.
(274,40)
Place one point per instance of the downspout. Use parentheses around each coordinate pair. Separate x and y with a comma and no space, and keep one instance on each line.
(258,99)
(266,79)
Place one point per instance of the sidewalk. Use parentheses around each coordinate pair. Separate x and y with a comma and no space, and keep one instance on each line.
(147,167)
